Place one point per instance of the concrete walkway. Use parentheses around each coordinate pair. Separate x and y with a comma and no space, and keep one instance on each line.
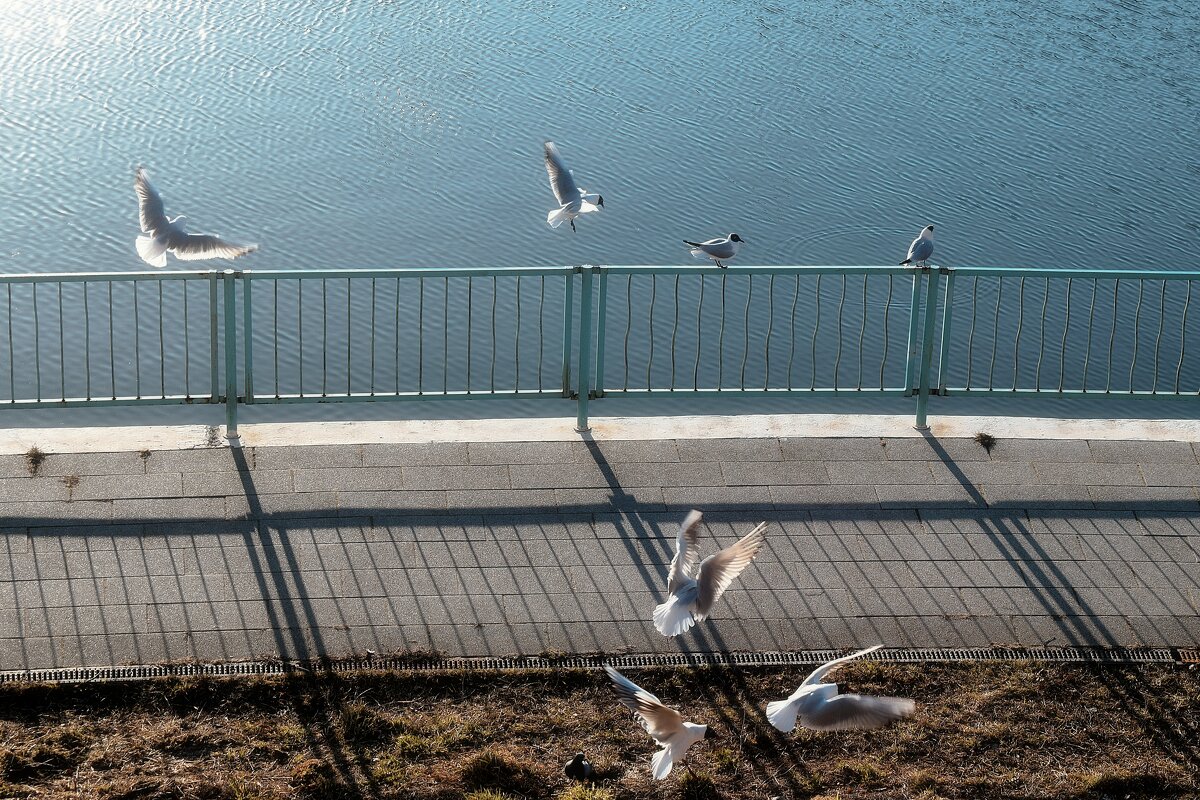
(500,547)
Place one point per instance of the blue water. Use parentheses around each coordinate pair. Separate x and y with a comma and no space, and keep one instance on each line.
(356,134)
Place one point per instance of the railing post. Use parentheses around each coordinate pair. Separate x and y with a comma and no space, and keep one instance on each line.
(585,350)
(231,397)
(601,315)
(214,342)
(927,347)
(247,337)
(568,329)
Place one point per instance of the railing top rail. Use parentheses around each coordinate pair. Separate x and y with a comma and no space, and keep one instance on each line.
(82,277)
(404,272)
(1101,274)
(687,269)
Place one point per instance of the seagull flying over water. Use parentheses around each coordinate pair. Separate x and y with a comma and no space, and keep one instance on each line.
(665,725)
(718,250)
(166,235)
(693,590)
(820,708)
(572,200)
(921,248)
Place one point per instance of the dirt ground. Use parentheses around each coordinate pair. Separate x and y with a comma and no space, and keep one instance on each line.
(982,730)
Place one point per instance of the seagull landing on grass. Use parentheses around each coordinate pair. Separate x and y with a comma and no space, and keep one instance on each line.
(165,235)
(718,250)
(921,248)
(819,707)
(693,590)
(572,200)
(665,725)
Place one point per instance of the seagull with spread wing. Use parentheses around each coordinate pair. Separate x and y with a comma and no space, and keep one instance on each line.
(693,590)
(572,200)
(163,235)
(665,725)
(820,707)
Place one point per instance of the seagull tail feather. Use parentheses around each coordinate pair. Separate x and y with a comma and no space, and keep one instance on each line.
(153,251)
(782,714)
(557,217)
(673,618)
(660,765)
(906,262)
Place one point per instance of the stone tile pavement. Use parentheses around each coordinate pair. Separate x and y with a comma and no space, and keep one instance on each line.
(477,548)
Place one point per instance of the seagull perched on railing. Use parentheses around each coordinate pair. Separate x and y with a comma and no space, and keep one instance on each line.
(921,248)
(693,590)
(165,235)
(572,200)
(718,250)
(820,708)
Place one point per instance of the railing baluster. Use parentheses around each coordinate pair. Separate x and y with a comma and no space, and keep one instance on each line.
(792,345)
(699,320)
(1062,352)
(162,360)
(275,334)
(187,346)
(420,333)
(446,338)
(248,336)
(947,322)
(87,341)
(1020,325)
(585,348)
(995,334)
(1037,373)
(541,336)
(12,364)
(568,308)
(770,328)
(1087,355)
(300,328)
(1162,311)
(816,328)
(137,338)
(213,343)
(324,338)
(837,360)
(1182,335)
(601,324)
(396,333)
(862,333)
(650,329)
(62,347)
(37,346)
(674,332)
(971,335)
(1137,329)
(628,324)
(887,308)
(374,333)
(746,332)
(517,342)
(721,338)
(1112,334)
(914,346)
(492,370)
(350,338)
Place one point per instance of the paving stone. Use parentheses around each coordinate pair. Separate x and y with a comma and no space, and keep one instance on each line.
(979,472)
(711,498)
(416,454)
(825,496)
(349,479)
(632,451)
(871,473)
(200,460)
(1030,497)
(525,453)
(31,489)
(55,465)
(830,449)
(359,504)
(1142,452)
(1153,497)
(1171,474)
(928,496)
(726,450)
(664,475)
(768,473)
(113,487)
(1038,450)
(308,457)
(488,501)
(220,484)
(602,500)
(484,477)
(49,513)
(931,448)
(1089,474)
(560,476)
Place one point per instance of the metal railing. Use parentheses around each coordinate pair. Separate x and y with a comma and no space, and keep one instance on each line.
(419,334)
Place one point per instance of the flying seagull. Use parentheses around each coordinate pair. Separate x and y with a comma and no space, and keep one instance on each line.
(693,590)
(665,725)
(921,248)
(165,235)
(572,200)
(718,250)
(820,708)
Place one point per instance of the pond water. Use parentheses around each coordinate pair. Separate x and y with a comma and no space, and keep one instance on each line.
(382,134)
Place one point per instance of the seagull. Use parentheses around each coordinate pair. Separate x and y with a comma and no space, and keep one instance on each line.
(725,248)
(821,708)
(693,590)
(921,248)
(578,768)
(572,200)
(665,725)
(164,235)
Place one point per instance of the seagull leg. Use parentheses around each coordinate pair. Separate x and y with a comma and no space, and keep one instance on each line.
(719,264)
(573,227)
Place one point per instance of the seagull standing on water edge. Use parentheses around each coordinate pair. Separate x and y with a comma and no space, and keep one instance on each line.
(572,200)
(820,708)
(665,725)
(718,250)
(693,590)
(165,235)
(921,248)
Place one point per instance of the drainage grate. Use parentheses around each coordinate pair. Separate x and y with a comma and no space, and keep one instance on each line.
(622,661)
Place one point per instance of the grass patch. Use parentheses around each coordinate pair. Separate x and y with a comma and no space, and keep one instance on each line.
(33,460)
(982,730)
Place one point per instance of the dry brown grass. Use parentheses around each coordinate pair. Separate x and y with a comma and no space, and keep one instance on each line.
(987,730)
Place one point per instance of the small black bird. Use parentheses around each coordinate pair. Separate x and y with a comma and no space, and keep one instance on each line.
(578,768)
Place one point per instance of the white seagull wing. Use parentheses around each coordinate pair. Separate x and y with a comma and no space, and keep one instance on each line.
(659,721)
(150,205)
(720,569)
(818,674)
(684,562)
(857,712)
(195,246)
(562,182)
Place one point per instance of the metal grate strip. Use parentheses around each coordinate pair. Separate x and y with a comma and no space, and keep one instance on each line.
(433,662)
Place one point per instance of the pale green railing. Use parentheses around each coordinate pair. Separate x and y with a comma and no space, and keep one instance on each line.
(274,336)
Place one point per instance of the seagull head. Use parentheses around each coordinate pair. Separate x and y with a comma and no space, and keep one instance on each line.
(733,237)
(927,233)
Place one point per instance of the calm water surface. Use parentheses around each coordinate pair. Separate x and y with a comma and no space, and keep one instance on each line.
(381,134)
